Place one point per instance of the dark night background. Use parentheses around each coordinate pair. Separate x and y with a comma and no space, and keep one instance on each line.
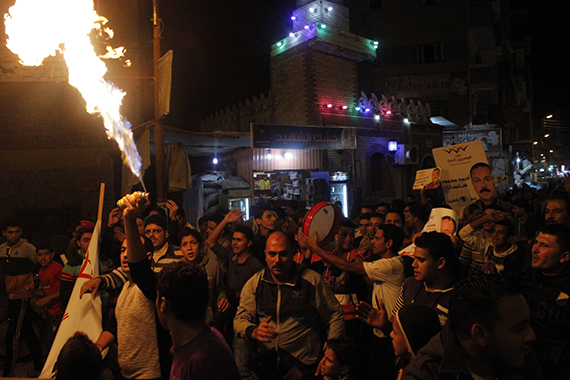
(221,52)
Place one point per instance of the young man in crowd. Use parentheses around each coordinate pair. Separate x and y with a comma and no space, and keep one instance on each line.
(473,252)
(500,256)
(134,318)
(436,270)
(488,336)
(156,229)
(265,219)
(199,352)
(415,218)
(548,292)
(340,360)
(17,260)
(241,266)
(285,308)
(363,227)
(47,296)
(387,274)
(557,211)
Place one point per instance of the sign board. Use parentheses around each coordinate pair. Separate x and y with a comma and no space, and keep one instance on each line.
(455,162)
(490,138)
(440,220)
(302,137)
(428,179)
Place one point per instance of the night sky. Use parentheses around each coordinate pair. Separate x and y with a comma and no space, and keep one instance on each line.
(222,49)
(221,52)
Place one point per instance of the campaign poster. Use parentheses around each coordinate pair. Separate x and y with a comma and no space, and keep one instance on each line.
(428,179)
(456,162)
(441,220)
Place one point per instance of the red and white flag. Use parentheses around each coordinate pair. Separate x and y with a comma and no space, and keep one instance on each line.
(81,314)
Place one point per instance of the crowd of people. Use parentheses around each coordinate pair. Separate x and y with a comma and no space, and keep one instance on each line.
(259,299)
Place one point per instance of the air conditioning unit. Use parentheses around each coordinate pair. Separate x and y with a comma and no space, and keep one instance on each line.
(407,154)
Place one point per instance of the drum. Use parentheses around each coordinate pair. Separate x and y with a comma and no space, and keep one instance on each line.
(325,219)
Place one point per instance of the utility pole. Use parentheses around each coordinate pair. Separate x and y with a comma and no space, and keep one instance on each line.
(158,130)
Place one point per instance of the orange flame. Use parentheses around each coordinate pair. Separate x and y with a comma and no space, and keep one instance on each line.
(37,29)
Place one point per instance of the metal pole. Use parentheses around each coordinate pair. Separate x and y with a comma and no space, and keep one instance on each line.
(158,131)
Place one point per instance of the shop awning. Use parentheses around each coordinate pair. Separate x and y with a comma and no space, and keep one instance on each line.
(198,144)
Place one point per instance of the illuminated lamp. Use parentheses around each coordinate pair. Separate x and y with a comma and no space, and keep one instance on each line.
(288,155)
(306,27)
(329,105)
(376,117)
(329,9)
(291,34)
(323,26)
(357,108)
(293,18)
(311,9)
(215,161)
(280,43)
(344,107)
(367,110)
(392,146)
(269,155)
(406,120)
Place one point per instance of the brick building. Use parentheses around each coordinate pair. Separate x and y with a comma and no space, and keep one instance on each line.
(316,80)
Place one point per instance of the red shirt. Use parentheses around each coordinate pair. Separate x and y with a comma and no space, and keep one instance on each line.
(50,280)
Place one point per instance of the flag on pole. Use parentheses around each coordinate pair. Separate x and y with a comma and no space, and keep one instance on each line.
(81,314)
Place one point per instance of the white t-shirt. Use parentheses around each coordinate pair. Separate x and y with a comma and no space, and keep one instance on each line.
(388,277)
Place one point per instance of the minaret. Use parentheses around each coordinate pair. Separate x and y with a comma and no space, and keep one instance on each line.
(314,69)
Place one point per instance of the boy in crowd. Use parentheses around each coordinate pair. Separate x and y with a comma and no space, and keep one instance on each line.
(17,260)
(47,296)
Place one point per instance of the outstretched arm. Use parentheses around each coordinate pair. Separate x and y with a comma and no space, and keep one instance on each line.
(230,217)
(339,262)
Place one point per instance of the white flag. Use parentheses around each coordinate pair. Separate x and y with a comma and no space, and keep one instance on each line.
(81,314)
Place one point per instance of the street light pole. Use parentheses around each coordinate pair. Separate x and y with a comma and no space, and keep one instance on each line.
(158,130)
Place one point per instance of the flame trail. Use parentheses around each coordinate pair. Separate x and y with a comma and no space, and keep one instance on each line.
(37,29)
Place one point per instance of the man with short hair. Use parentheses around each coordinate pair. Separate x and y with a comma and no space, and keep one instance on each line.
(483,184)
(500,255)
(17,260)
(181,289)
(265,219)
(548,294)
(415,218)
(436,269)
(477,241)
(488,336)
(156,229)
(285,308)
(557,211)
(393,217)
(363,226)
(387,274)
(135,318)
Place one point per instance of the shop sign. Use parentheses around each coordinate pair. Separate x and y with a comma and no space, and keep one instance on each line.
(302,137)
(491,138)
